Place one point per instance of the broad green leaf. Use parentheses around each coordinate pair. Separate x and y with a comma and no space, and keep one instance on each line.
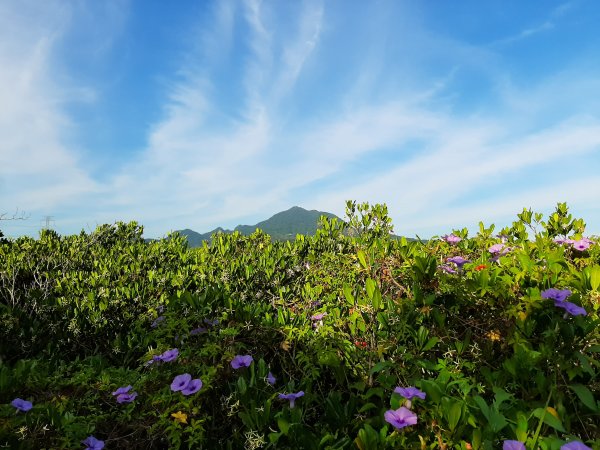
(381,365)
(586,396)
(348,295)
(453,412)
(376,299)
(283,425)
(362,258)
(431,343)
(522,427)
(433,390)
(595,277)
(371,285)
(549,419)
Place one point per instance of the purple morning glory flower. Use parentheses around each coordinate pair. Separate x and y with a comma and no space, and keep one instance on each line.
(410,392)
(271,379)
(401,417)
(571,308)
(123,390)
(446,268)
(198,330)
(180,382)
(241,361)
(458,260)
(318,316)
(169,355)
(91,443)
(496,248)
(575,445)
(451,239)
(581,244)
(558,295)
(192,387)
(126,398)
(291,397)
(21,405)
(563,241)
(157,321)
(513,445)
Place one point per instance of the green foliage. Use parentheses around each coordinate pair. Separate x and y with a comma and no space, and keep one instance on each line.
(346,316)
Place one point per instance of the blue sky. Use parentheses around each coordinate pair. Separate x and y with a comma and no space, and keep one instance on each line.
(204,114)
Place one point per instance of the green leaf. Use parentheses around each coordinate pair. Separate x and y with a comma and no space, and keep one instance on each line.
(381,365)
(452,412)
(367,407)
(371,285)
(241,384)
(432,389)
(362,258)
(377,299)
(348,294)
(431,343)
(595,277)
(586,396)
(500,397)
(495,419)
(274,437)
(283,425)
(549,419)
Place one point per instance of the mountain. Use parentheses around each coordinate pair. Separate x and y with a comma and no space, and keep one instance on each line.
(284,225)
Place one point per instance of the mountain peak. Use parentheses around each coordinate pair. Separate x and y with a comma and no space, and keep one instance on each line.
(283,225)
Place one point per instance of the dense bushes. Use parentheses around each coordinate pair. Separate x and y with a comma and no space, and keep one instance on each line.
(489,330)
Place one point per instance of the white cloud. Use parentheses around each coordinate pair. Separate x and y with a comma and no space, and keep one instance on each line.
(38,170)
(195,174)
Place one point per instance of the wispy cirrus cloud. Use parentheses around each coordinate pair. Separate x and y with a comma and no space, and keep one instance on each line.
(37,168)
(280,104)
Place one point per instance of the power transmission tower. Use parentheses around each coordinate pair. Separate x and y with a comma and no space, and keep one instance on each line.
(48,219)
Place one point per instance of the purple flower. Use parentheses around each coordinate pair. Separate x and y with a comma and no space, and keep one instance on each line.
(241,361)
(496,248)
(126,398)
(575,445)
(513,445)
(291,397)
(91,443)
(316,304)
(316,317)
(581,244)
(458,260)
(161,309)
(410,392)
(563,241)
(558,295)
(180,382)
(198,330)
(21,405)
(211,323)
(271,379)
(123,390)
(451,239)
(401,417)
(169,355)
(192,387)
(446,268)
(571,308)
(157,321)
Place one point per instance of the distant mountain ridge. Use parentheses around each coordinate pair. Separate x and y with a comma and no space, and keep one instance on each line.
(284,225)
